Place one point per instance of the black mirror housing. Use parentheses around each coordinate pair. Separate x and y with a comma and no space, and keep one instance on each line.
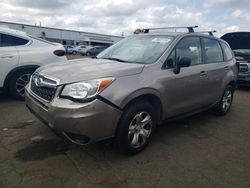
(182,62)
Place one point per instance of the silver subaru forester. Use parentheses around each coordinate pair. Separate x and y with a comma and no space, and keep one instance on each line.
(132,86)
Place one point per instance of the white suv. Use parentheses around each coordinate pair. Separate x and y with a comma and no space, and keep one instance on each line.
(20,56)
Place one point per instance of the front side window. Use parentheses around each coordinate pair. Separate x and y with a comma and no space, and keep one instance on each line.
(144,49)
(9,40)
(188,47)
(213,50)
(227,51)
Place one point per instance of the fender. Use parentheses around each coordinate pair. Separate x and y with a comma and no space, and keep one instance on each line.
(13,71)
(138,93)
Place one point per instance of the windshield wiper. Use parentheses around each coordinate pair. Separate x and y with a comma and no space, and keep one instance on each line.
(115,59)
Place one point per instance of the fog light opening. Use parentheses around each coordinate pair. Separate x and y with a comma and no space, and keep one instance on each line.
(77,138)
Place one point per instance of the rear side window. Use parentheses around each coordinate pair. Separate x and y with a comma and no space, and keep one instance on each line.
(213,50)
(8,40)
(227,52)
(5,40)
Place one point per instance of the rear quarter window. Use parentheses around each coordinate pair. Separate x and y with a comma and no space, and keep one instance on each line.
(228,54)
(9,40)
(213,50)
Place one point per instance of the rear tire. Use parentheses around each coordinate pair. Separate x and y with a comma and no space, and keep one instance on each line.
(74,52)
(136,127)
(18,82)
(225,102)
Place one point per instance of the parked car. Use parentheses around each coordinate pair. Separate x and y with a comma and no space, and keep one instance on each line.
(83,51)
(77,49)
(20,56)
(240,43)
(96,50)
(132,86)
(68,49)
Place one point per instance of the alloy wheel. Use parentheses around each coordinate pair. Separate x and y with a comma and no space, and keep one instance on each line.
(21,82)
(227,100)
(140,129)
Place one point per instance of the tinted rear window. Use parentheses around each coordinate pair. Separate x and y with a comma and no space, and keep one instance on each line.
(9,40)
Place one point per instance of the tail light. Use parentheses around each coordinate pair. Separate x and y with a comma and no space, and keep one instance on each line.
(59,52)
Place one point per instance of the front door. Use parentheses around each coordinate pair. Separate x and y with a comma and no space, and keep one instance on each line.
(185,91)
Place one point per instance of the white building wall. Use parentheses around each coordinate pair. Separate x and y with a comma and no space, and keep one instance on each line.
(61,34)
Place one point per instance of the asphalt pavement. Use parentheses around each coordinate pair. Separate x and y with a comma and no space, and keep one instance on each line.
(200,151)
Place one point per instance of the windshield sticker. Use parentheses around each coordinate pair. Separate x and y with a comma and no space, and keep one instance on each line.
(161,40)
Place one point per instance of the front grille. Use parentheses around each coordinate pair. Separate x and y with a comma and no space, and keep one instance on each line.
(243,68)
(43,89)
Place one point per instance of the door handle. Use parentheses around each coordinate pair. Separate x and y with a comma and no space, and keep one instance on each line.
(203,73)
(226,67)
(6,56)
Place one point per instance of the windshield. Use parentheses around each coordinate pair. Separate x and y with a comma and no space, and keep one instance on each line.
(145,49)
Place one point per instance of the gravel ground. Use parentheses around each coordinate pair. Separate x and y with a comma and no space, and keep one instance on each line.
(200,151)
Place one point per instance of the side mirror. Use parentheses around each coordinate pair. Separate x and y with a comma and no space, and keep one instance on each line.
(182,62)
(169,63)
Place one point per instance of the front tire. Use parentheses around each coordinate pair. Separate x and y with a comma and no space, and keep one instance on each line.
(225,102)
(135,128)
(18,82)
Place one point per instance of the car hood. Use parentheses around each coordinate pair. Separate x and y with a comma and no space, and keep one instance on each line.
(88,69)
(242,54)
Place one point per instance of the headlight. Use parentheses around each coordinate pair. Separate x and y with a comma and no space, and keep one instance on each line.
(85,90)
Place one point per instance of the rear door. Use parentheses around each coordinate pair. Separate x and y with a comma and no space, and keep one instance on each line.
(186,91)
(216,68)
(8,56)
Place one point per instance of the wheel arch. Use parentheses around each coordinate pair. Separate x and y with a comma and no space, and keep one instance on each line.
(150,96)
(14,71)
(233,83)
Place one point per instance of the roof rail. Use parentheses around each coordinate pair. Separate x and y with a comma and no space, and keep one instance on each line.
(209,32)
(190,29)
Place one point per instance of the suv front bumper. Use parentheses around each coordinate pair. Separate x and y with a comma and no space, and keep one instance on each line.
(81,123)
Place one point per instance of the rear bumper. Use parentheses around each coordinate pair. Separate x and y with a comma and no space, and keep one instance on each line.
(78,122)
